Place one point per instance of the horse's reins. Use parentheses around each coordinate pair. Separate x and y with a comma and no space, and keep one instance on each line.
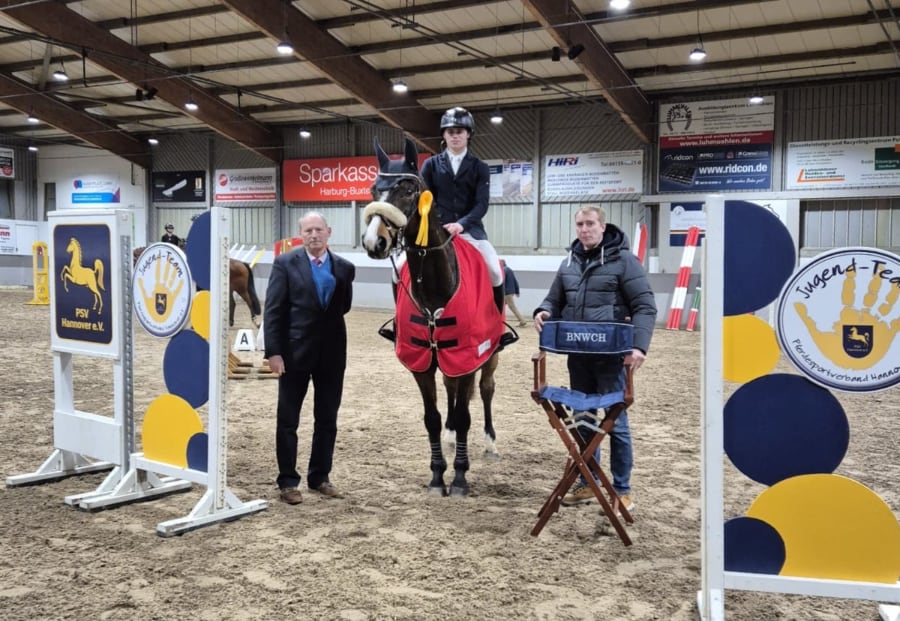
(402,246)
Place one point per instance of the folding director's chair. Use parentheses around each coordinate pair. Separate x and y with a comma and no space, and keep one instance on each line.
(568,410)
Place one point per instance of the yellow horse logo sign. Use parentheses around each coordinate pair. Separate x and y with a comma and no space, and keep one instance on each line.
(78,274)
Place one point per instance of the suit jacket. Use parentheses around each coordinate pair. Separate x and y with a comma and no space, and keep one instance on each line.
(296,325)
(462,197)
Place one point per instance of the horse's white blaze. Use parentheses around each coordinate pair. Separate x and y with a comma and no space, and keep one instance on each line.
(370,239)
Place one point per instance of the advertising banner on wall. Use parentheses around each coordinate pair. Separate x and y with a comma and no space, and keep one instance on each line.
(579,174)
(179,186)
(853,162)
(511,179)
(683,216)
(332,179)
(244,185)
(716,145)
(7,237)
(95,190)
(7,164)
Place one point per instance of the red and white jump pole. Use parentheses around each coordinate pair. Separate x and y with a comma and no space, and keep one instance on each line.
(684,275)
(639,243)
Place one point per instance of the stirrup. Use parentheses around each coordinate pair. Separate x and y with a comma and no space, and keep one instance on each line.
(388,333)
(507,338)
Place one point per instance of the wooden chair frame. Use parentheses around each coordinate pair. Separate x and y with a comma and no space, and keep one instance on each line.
(581,453)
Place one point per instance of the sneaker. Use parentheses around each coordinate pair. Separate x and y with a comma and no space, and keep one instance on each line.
(290,495)
(580,494)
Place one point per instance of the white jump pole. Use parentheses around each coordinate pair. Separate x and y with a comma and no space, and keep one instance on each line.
(218,503)
(85,442)
(714,579)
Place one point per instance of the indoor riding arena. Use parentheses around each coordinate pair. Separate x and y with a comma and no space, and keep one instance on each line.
(387,550)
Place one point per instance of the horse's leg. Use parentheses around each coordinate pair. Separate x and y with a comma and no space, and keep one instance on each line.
(486,386)
(231,305)
(246,299)
(449,434)
(428,389)
(464,388)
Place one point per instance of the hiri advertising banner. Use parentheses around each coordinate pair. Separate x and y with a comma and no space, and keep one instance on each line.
(716,145)
(245,184)
(332,179)
(579,174)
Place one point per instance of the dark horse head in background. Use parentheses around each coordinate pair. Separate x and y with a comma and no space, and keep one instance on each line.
(395,223)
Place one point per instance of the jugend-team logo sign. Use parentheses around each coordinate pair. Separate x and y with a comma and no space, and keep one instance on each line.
(838,319)
(162,289)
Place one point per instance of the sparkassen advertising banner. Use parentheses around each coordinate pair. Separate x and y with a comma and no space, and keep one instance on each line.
(332,179)
(244,185)
(716,145)
(848,163)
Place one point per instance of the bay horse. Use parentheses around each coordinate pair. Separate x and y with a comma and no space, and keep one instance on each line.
(395,222)
(92,278)
(240,281)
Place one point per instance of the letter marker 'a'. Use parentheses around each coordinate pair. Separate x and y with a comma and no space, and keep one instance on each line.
(244,341)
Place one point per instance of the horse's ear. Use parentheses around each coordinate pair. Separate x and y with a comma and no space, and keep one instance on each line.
(383,158)
(412,155)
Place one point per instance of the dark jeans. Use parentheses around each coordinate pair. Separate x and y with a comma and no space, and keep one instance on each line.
(328,385)
(593,374)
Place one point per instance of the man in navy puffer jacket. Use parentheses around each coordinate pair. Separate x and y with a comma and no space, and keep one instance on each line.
(601,280)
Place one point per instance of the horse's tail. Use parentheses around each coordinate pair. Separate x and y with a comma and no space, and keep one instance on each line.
(255,308)
(98,270)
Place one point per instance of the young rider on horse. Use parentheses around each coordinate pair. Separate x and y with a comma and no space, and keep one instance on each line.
(461,184)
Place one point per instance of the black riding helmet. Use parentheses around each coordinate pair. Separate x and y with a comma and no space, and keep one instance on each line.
(458,117)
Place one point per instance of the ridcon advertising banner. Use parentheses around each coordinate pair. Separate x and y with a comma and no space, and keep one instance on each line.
(716,145)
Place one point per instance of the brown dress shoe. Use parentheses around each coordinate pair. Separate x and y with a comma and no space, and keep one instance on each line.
(327,489)
(290,495)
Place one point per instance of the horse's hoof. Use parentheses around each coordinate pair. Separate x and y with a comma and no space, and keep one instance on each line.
(457,491)
(437,490)
(491,455)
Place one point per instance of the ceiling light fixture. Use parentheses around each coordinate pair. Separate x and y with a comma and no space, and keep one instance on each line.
(152,141)
(33,119)
(497,117)
(756,99)
(400,86)
(305,133)
(190,105)
(555,54)
(60,74)
(284,47)
(32,148)
(619,5)
(698,53)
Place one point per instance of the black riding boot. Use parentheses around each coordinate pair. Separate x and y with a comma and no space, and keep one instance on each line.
(499,296)
(507,338)
(390,333)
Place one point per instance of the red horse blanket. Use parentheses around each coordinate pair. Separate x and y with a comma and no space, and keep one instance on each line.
(465,334)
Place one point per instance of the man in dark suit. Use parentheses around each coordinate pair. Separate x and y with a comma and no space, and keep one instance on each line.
(309,292)
(461,185)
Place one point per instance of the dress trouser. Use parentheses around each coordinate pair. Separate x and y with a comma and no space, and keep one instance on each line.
(328,384)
